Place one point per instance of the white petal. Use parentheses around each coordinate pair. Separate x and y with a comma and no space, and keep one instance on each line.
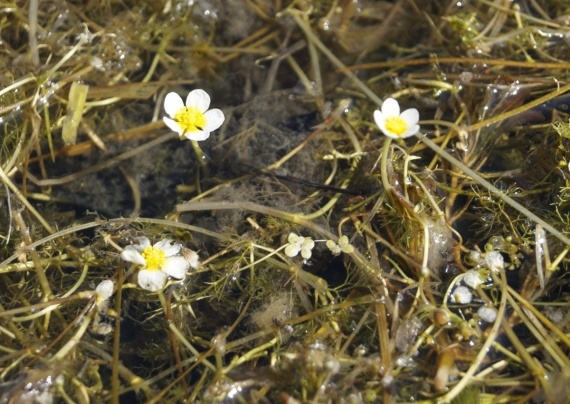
(292,250)
(172,104)
(411,116)
(293,238)
(168,247)
(306,253)
(191,257)
(132,255)
(380,120)
(197,135)
(104,290)
(142,243)
(175,267)
(412,130)
(199,99)
(151,280)
(173,125)
(163,244)
(214,119)
(308,243)
(390,107)
(379,117)
(333,247)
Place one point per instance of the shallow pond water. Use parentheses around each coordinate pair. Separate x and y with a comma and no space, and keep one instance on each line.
(296,254)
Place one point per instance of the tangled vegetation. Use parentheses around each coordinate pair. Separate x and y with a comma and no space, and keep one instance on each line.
(321,261)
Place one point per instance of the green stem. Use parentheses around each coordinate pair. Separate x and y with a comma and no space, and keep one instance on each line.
(384,165)
(202,167)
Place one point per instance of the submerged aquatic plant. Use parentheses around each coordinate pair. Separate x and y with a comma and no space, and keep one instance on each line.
(394,124)
(255,325)
(192,120)
(157,262)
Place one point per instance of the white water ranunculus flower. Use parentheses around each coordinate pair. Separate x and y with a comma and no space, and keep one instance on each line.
(156,262)
(193,121)
(395,124)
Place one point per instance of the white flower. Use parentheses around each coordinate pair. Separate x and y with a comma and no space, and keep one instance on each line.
(342,246)
(156,262)
(192,120)
(396,125)
(461,295)
(298,243)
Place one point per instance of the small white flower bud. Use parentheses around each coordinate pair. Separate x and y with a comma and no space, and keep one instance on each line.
(473,279)
(461,295)
(494,261)
(487,314)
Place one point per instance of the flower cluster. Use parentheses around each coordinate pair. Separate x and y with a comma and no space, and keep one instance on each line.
(301,244)
(158,262)
(342,246)
(298,244)
(192,120)
(394,124)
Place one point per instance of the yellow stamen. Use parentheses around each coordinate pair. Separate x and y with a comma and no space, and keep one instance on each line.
(154,257)
(396,125)
(190,119)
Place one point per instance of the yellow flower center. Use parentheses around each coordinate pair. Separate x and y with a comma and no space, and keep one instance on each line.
(154,257)
(396,125)
(190,119)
